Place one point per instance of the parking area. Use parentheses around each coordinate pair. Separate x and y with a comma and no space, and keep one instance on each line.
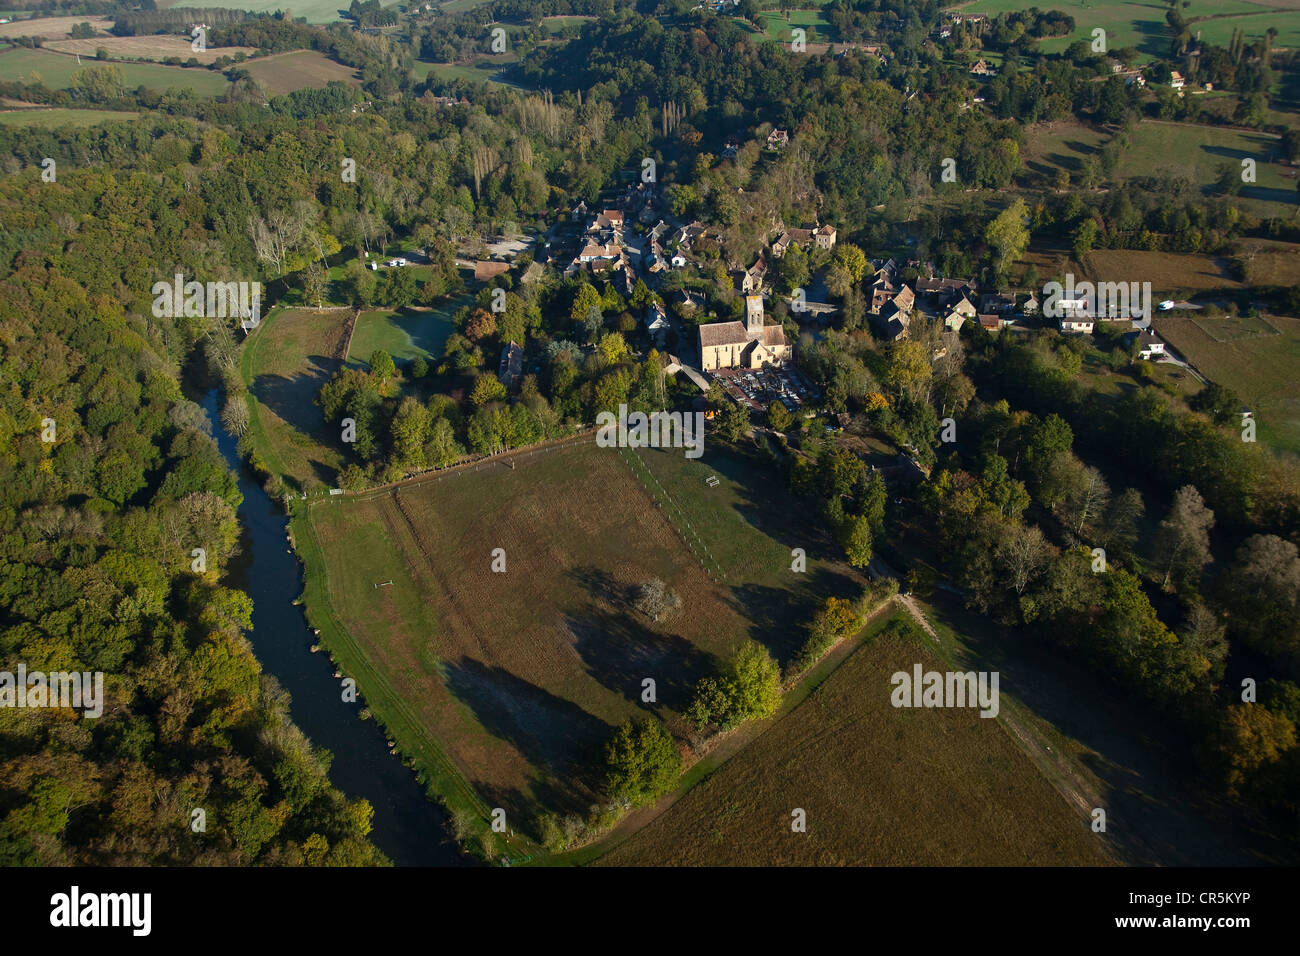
(757,388)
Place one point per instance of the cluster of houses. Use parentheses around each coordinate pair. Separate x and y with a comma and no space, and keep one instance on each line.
(752,344)
(894,305)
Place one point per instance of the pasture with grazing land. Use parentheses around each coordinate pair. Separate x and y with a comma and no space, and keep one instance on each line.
(484,68)
(1061,145)
(519,677)
(55,118)
(1269,262)
(301,69)
(813,22)
(1141,23)
(51,27)
(56,70)
(285,363)
(405,335)
(1256,357)
(880,786)
(1197,152)
(315,11)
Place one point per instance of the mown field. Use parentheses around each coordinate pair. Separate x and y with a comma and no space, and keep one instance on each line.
(299,70)
(1168,272)
(1256,358)
(57,70)
(520,676)
(145,48)
(778,25)
(54,118)
(51,27)
(404,335)
(459,6)
(483,69)
(285,363)
(559,23)
(880,786)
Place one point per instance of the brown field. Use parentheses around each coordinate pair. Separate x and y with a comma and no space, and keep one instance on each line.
(521,676)
(880,786)
(145,48)
(1168,272)
(301,69)
(1256,358)
(1050,264)
(51,27)
(284,372)
(1269,262)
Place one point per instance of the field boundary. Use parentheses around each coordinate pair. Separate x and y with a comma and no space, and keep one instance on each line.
(632,456)
(387,707)
(262,444)
(350,331)
(461,468)
(727,745)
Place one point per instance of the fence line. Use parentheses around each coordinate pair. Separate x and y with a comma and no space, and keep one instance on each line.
(685,520)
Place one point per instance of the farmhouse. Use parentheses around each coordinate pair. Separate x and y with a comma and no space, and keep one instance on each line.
(824,236)
(610,219)
(958,315)
(790,236)
(750,344)
(1149,344)
(894,317)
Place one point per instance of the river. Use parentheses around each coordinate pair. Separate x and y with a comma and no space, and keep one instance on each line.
(408,827)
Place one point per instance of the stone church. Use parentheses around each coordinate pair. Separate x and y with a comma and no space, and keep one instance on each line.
(748,344)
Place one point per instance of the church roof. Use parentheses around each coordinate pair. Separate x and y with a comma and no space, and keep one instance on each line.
(734,333)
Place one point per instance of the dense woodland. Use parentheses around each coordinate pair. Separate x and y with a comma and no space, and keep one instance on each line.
(99,525)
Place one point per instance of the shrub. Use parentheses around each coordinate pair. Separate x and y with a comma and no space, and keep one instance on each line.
(748,687)
(641,762)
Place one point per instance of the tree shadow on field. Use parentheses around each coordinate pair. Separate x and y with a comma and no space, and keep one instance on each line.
(1154,39)
(525,807)
(1287,197)
(602,587)
(1080,149)
(1158,810)
(293,397)
(551,733)
(779,617)
(620,652)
